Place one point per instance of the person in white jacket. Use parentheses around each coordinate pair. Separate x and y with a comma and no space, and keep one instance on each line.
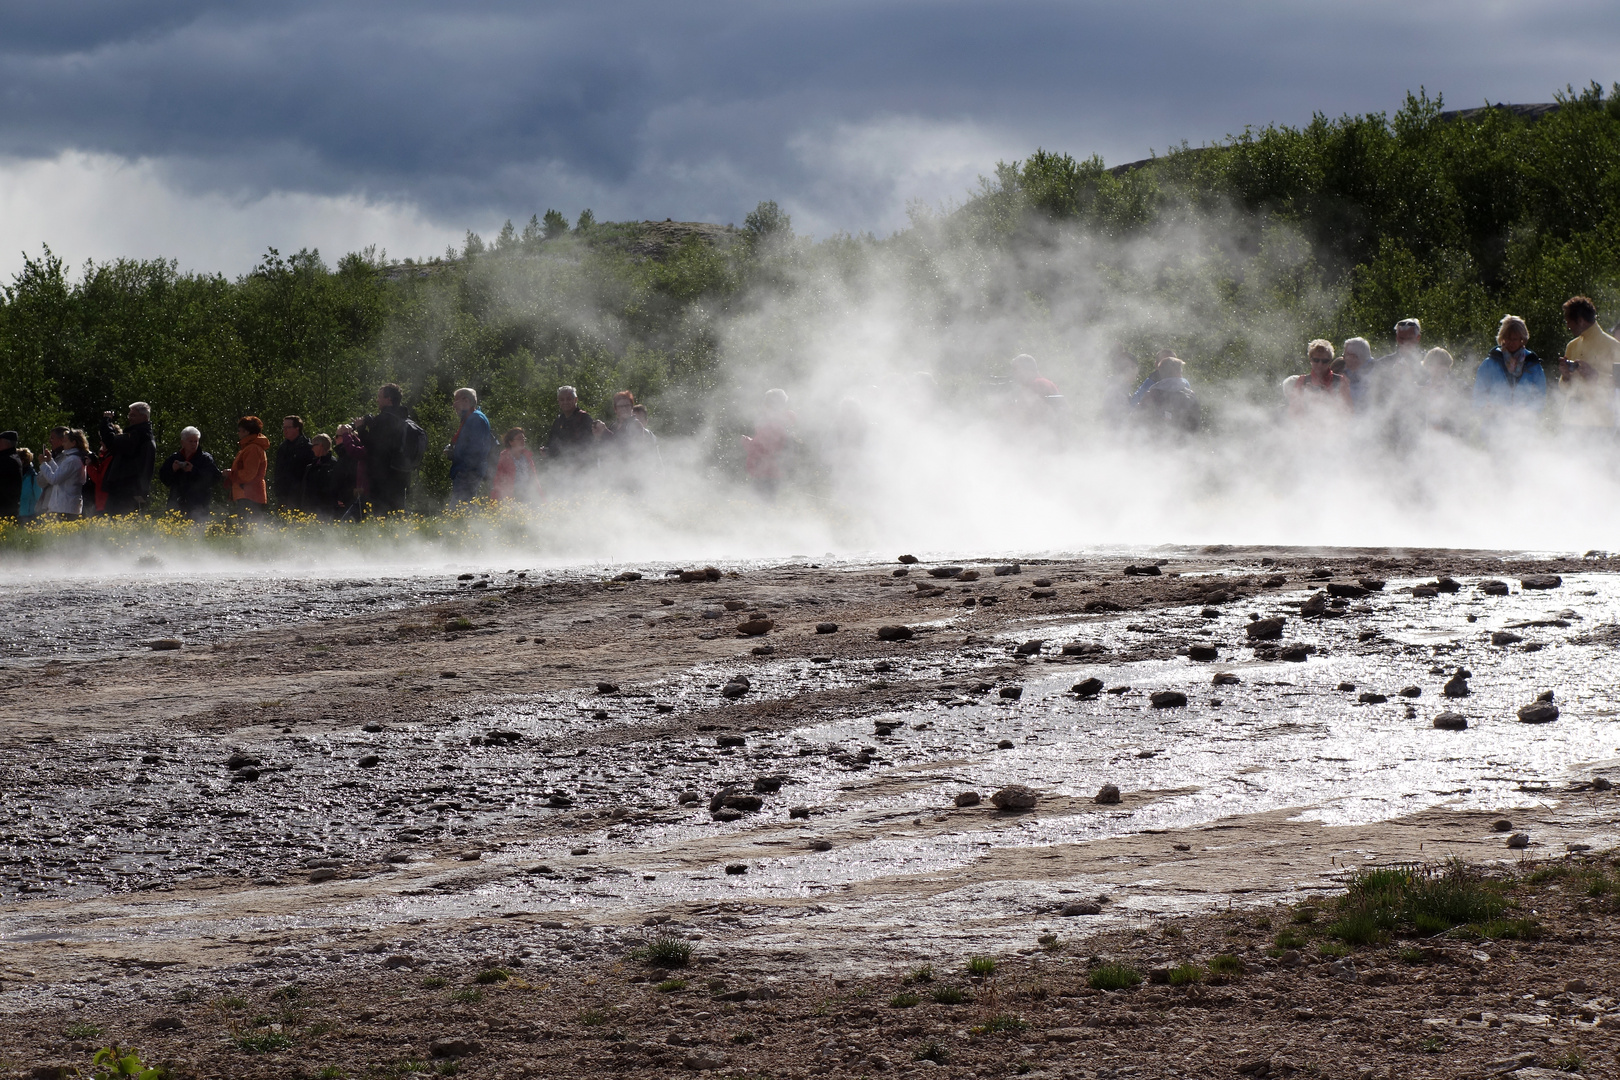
(62,473)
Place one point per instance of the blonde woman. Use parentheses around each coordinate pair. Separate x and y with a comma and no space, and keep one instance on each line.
(1511,377)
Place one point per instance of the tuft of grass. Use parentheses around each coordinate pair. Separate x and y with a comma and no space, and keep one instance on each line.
(467,995)
(904,1000)
(329,1072)
(1433,1044)
(743,1038)
(231,1003)
(1361,926)
(924,974)
(1288,939)
(981,967)
(263,1042)
(1333,950)
(1226,966)
(932,1051)
(82,1029)
(290,992)
(593,1017)
(1050,943)
(460,622)
(491,976)
(186,995)
(1171,931)
(433,982)
(1001,1024)
(1113,977)
(1186,974)
(949,995)
(670,986)
(1303,915)
(1508,929)
(1409,955)
(665,952)
(1570,1061)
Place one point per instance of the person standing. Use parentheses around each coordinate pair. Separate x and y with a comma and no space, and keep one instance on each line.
(321,480)
(246,474)
(349,480)
(11,475)
(292,462)
(128,479)
(388,460)
(190,475)
(767,449)
(1322,386)
(63,470)
(1587,369)
(1510,381)
(569,442)
(515,474)
(469,450)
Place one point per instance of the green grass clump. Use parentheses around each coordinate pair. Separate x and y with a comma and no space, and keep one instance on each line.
(231,1004)
(111,1062)
(1570,1061)
(1186,974)
(670,986)
(743,1038)
(1113,977)
(1303,915)
(666,952)
(1433,1044)
(1426,900)
(1409,955)
(593,1017)
(1001,1024)
(1333,950)
(467,995)
(433,982)
(460,622)
(1226,966)
(329,1072)
(82,1029)
(924,974)
(490,976)
(1508,929)
(263,1042)
(981,967)
(904,1000)
(931,1051)
(1288,939)
(949,995)
(290,992)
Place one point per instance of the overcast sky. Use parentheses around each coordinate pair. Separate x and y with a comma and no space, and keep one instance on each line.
(207,131)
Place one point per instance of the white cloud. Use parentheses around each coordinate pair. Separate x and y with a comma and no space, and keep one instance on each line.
(101,207)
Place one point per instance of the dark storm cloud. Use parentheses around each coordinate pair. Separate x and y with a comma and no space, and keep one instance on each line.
(701,108)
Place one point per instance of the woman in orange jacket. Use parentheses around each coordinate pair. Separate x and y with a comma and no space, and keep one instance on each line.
(245,477)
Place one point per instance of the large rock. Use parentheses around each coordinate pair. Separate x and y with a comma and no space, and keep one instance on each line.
(1203,654)
(755,627)
(1450,721)
(1168,699)
(1540,712)
(1493,587)
(1014,797)
(1088,688)
(1266,629)
(967,798)
(1540,581)
(1108,795)
(895,633)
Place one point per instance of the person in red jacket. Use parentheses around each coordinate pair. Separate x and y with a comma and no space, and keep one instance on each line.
(773,435)
(245,477)
(515,474)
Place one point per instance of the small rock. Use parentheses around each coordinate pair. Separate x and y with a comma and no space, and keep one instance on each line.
(470,855)
(1370,698)
(1494,588)
(1601,783)
(370,761)
(894,633)
(449,675)
(628,575)
(607,688)
(1296,653)
(724,741)
(909,560)
(1004,744)
(702,1061)
(1447,585)
(1519,840)
(1410,691)
(579,851)
(819,845)
(372,728)
(967,798)
(167,1023)
(1082,908)
(1029,648)
(1540,581)
(399,960)
(1346,687)
(799,812)
(944,571)
(325,873)
(1540,712)
(736,688)
(1265,629)
(1348,592)
(968,575)
(767,785)
(453,1046)
(1014,797)
(1225,678)
(726,813)
(1011,693)
(1108,795)
(1450,721)
(1088,688)
(1505,637)
(826,628)
(1203,654)
(164,644)
(1007,570)
(1042,594)
(902,572)
(756,627)
(1142,571)
(731,798)
(1168,699)
(1041,583)
(1545,695)
(736,868)
(1501,825)
(1456,686)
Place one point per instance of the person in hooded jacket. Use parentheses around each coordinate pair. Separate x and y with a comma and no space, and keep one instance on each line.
(245,477)
(62,473)
(190,475)
(128,479)
(1510,381)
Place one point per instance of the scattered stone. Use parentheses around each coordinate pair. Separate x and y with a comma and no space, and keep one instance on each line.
(1014,797)
(628,575)
(607,688)
(1088,688)
(799,812)
(1425,592)
(1501,825)
(453,1046)
(1265,629)
(1348,592)
(736,868)
(727,813)
(1296,653)
(754,628)
(1540,712)
(724,741)
(1041,583)
(1505,637)
(819,845)
(167,1023)
(1346,687)
(1518,840)
(895,633)
(1142,571)
(736,688)
(1168,699)
(909,560)
(1410,691)
(240,761)
(1011,693)
(1209,613)
(1457,685)
(372,727)
(1082,908)
(702,1061)
(164,644)
(1007,570)
(1225,678)
(1601,783)
(734,798)
(1108,795)
(1203,654)
(826,628)
(1030,648)
(887,727)
(1004,744)
(370,761)
(325,873)
(901,572)
(1494,587)
(1370,698)
(968,575)
(1371,584)
(1545,695)
(944,571)
(967,798)
(1540,581)
(1451,721)
(1447,585)
(449,675)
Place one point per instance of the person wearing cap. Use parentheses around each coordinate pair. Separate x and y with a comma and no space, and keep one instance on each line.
(1320,387)
(11,475)
(1586,369)
(128,480)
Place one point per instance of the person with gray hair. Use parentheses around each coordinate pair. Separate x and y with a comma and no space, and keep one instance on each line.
(1510,381)
(191,475)
(471,450)
(572,434)
(1358,361)
(128,479)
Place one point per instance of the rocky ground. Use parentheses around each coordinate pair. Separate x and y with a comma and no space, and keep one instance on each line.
(444,838)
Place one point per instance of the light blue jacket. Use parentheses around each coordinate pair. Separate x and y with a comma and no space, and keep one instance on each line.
(1494,388)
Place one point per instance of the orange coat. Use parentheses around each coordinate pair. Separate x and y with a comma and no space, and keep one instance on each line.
(247,471)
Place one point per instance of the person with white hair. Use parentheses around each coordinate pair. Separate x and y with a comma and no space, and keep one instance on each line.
(471,450)
(1510,380)
(572,435)
(128,479)
(190,474)
(1358,362)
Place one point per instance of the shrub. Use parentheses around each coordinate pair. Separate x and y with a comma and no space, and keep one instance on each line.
(1112,977)
(666,952)
(981,967)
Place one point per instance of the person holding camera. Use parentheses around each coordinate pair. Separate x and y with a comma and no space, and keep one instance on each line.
(128,479)
(190,475)
(1587,370)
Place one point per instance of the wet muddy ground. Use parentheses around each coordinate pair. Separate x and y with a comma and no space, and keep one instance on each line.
(423,776)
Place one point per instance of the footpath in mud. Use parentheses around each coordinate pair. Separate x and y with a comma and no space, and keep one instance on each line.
(724,820)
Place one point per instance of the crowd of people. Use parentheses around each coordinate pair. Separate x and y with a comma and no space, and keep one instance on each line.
(366,468)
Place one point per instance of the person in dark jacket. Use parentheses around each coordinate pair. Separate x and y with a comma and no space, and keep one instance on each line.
(571,438)
(350,476)
(321,479)
(292,461)
(128,480)
(190,475)
(11,475)
(387,468)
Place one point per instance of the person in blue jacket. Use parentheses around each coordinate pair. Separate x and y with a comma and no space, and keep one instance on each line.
(1510,380)
(470,451)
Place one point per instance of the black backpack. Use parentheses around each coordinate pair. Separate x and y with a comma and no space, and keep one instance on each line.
(412,445)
